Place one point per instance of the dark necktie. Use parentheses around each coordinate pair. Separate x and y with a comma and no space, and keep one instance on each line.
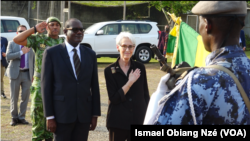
(22,62)
(76,62)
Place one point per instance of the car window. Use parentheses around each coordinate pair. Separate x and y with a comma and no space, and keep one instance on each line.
(2,30)
(9,25)
(111,29)
(90,28)
(145,28)
(132,28)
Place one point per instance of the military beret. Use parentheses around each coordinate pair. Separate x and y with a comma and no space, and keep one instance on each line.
(53,19)
(220,8)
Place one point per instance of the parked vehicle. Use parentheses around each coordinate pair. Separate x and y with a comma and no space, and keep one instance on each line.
(9,26)
(101,37)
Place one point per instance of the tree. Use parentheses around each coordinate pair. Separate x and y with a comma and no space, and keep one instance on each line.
(176,7)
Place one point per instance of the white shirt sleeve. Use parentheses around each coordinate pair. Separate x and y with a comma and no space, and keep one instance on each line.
(50,117)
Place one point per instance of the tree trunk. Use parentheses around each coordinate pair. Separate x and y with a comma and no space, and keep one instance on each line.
(124,11)
(165,13)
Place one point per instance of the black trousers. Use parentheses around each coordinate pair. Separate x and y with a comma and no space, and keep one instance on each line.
(72,131)
(116,134)
(161,51)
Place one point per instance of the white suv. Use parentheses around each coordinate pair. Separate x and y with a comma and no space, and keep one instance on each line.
(101,37)
(9,26)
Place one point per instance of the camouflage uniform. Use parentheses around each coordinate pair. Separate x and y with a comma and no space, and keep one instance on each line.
(39,43)
(215,96)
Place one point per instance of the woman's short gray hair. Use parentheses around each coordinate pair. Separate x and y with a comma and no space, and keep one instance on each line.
(124,35)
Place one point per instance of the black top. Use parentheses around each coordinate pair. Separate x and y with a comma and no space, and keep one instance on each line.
(4,45)
(128,109)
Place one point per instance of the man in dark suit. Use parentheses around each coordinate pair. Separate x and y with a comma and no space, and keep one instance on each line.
(69,85)
(4,64)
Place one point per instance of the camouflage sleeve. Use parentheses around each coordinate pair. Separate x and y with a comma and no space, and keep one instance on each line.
(32,41)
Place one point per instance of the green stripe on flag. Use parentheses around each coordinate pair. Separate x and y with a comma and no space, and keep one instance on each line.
(170,47)
(187,45)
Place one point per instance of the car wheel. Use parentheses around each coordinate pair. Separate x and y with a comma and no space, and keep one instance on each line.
(143,54)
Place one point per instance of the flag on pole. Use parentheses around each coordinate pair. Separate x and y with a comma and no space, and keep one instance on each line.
(171,43)
(185,44)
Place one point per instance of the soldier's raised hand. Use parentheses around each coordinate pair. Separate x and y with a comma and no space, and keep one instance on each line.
(41,27)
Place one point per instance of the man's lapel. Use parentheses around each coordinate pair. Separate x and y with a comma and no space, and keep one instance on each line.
(65,56)
(83,60)
(17,47)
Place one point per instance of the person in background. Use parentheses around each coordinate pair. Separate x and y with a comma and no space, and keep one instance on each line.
(163,41)
(21,74)
(4,64)
(127,87)
(39,42)
(242,40)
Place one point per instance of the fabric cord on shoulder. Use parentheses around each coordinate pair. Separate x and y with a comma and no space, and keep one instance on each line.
(242,92)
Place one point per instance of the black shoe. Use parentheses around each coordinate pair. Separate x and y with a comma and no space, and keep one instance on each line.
(3,95)
(23,121)
(14,122)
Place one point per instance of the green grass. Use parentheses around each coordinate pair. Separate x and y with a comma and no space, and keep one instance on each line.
(108,60)
(108,3)
(248,54)
(112,60)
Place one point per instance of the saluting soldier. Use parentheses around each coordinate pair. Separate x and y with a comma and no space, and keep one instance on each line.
(209,95)
(39,42)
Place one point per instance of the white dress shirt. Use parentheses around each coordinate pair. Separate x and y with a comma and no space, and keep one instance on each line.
(71,54)
(26,59)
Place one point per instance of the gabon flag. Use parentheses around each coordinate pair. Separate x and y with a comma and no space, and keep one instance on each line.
(185,44)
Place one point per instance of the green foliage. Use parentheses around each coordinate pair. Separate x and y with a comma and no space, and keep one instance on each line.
(247,42)
(34,5)
(176,7)
(133,12)
(108,3)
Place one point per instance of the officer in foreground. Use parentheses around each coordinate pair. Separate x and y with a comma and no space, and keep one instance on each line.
(209,95)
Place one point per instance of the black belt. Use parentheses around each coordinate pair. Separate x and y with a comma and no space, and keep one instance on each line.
(24,70)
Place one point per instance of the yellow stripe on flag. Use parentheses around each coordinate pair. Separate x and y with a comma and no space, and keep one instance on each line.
(173,31)
(177,26)
(201,53)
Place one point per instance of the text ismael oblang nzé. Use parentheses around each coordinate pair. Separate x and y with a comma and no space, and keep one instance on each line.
(194,134)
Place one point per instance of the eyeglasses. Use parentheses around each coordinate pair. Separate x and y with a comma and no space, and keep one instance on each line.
(76,29)
(126,46)
(20,31)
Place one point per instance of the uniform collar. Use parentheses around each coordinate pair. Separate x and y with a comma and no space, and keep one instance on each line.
(223,53)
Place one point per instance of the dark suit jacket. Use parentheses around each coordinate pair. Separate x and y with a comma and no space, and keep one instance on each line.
(4,44)
(242,37)
(128,109)
(63,95)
